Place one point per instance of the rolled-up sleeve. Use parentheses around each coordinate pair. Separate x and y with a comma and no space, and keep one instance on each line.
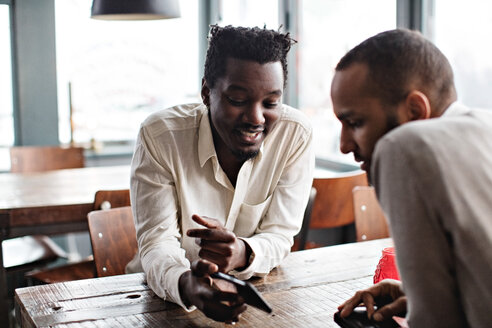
(155,209)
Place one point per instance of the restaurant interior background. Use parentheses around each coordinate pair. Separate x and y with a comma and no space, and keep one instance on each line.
(66,78)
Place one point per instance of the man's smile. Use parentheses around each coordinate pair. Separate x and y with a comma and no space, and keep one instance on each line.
(249,136)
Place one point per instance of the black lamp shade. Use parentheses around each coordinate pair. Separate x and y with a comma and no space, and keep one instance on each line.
(135,9)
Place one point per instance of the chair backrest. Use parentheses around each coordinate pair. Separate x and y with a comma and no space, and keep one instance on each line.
(28,159)
(106,199)
(334,205)
(370,222)
(113,239)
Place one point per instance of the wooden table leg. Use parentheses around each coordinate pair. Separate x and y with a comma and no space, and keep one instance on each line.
(4,303)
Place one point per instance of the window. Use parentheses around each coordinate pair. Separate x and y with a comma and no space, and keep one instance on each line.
(249,13)
(328,29)
(462,32)
(121,71)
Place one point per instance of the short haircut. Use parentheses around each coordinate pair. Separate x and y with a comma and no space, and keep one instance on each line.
(257,44)
(400,60)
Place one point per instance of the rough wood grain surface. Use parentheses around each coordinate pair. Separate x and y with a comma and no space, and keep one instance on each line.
(304,292)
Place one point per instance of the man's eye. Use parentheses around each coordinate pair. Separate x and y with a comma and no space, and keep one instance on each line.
(354,124)
(235,102)
(270,104)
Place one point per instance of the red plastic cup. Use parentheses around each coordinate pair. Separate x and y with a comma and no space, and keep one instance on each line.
(386,268)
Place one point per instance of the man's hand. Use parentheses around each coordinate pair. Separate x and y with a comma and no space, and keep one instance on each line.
(219,245)
(388,292)
(195,288)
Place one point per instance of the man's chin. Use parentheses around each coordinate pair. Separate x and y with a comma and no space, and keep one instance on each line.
(369,176)
(365,166)
(243,156)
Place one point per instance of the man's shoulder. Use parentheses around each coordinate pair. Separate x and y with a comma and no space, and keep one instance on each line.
(473,120)
(438,134)
(294,118)
(178,117)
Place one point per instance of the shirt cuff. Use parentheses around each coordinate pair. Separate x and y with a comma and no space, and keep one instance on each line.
(173,289)
(254,259)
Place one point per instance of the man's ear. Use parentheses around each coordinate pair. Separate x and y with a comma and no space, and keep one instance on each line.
(205,93)
(418,106)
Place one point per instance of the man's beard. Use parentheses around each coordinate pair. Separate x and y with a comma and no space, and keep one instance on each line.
(243,156)
(391,123)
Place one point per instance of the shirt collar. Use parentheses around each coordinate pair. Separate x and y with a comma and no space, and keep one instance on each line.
(206,148)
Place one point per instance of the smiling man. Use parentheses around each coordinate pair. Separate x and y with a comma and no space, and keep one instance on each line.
(429,159)
(222,184)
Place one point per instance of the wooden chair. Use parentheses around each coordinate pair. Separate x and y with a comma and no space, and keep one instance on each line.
(27,159)
(28,252)
(334,202)
(113,238)
(106,199)
(103,200)
(370,222)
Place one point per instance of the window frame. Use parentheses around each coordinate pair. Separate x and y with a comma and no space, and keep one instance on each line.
(13,73)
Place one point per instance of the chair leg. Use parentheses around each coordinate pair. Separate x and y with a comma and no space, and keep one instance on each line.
(4,306)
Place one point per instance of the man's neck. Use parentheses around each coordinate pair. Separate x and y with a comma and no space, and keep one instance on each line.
(230,165)
(440,112)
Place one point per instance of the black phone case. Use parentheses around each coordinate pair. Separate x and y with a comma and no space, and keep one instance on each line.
(246,290)
(358,319)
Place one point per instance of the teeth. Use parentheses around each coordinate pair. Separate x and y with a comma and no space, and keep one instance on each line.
(249,134)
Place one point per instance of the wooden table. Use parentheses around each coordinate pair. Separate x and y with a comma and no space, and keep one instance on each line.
(304,291)
(50,203)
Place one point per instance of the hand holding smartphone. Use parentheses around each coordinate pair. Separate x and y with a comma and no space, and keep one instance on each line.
(246,290)
(358,319)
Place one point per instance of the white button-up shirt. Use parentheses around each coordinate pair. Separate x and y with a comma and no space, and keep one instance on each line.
(176,173)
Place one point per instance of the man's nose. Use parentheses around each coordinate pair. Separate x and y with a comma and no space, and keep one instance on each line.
(347,143)
(254,114)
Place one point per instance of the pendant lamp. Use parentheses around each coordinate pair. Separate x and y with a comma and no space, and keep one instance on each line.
(135,9)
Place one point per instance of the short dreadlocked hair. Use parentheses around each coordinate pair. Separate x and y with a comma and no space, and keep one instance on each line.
(257,44)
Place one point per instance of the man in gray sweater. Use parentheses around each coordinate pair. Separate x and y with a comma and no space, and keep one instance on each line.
(433,178)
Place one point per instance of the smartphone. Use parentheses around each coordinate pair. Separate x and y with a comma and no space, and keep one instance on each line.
(250,294)
(358,319)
